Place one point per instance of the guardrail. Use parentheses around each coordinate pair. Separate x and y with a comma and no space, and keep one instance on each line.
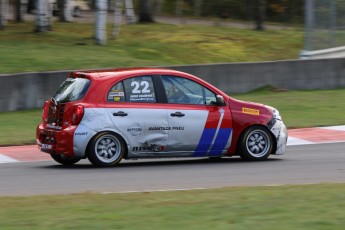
(30,90)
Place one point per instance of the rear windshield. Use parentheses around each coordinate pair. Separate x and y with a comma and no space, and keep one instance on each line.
(72,89)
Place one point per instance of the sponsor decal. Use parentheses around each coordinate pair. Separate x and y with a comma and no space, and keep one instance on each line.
(81,134)
(117,98)
(142,97)
(134,129)
(116,94)
(46,146)
(155,148)
(176,128)
(53,126)
(251,111)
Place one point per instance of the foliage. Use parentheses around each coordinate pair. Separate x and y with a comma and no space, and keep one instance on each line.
(288,11)
(71,46)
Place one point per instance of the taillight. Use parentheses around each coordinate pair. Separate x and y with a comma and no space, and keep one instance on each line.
(77,114)
(45,111)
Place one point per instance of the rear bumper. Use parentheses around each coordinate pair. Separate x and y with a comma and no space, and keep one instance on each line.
(55,141)
(280,132)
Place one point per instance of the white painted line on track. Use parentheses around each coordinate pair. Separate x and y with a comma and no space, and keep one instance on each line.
(297,141)
(338,128)
(158,190)
(191,189)
(6,159)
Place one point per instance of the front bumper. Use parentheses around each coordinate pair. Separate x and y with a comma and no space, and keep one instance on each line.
(278,128)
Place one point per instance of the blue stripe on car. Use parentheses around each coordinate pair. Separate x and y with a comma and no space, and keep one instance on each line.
(205,142)
(220,142)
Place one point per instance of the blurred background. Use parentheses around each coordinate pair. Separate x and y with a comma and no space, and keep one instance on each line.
(288,54)
(324,21)
(239,46)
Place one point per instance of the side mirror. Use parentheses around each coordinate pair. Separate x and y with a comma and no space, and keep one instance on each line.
(220,100)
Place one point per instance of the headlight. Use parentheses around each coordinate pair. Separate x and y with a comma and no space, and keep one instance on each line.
(275,113)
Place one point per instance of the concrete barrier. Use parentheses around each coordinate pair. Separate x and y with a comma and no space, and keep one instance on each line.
(291,75)
(30,90)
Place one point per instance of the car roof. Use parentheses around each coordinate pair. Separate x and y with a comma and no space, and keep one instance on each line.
(120,72)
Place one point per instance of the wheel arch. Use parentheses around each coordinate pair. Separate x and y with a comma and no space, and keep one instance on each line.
(112,132)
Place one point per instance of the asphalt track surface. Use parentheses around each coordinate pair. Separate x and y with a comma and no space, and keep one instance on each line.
(302,164)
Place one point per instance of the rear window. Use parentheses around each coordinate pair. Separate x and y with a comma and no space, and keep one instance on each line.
(72,89)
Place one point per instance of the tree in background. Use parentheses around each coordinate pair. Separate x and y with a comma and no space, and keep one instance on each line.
(65,8)
(61,4)
(197,8)
(117,19)
(43,16)
(130,15)
(260,9)
(19,10)
(3,13)
(145,15)
(101,22)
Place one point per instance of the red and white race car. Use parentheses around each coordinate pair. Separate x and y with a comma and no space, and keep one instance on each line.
(107,115)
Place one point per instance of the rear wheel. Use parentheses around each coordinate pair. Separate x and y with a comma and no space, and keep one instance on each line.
(64,160)
(256,144)
(106,149)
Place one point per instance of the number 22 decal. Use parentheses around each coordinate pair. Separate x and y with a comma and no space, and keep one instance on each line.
(136,85)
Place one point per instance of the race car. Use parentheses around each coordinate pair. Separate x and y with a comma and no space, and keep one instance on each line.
(108,115)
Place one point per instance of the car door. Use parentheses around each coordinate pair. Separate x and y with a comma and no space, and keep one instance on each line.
(137,117)
(198,126)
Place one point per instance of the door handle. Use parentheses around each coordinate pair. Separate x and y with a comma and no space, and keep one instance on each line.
(177,114)
(120,114)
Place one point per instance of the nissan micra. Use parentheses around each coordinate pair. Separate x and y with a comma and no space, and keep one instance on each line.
(108,115)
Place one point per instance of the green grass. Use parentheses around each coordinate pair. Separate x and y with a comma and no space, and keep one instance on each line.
(70,46)
(284,207)
(19,127)
(298,109)
(303,108)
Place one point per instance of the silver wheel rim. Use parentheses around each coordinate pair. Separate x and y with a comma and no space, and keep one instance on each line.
(108,148)
(258,143)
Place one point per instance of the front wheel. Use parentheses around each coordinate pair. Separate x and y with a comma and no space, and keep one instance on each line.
(256,144)
(106,149)
(64,160)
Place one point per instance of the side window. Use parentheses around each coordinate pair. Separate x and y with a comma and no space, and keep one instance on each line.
(210,97)
(116,93)
(184,91)
(139,89)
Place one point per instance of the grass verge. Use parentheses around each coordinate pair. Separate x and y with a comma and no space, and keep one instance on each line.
(298,109)
(71,46)
(283,207)
(301,109)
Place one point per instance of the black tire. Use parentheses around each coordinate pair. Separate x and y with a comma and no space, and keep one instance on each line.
(256,143)
(64,160)
(106,149)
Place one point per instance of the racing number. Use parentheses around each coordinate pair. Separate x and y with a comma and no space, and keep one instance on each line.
(136,86)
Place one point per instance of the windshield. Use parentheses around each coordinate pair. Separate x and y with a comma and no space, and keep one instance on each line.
(72,89)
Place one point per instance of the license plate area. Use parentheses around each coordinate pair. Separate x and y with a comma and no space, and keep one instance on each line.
(48,142)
